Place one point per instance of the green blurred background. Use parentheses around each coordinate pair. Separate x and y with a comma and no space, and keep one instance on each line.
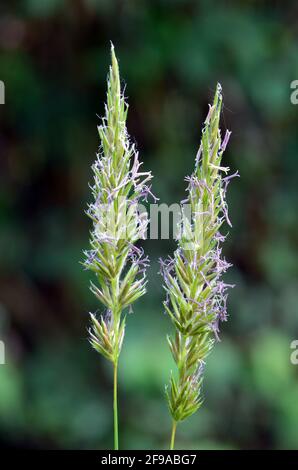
(55,392)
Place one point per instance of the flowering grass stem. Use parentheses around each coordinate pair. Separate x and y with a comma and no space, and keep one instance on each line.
(196,295)
(117,263)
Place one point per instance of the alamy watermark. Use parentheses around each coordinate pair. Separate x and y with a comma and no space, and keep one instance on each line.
(294,94)
(129,220)
(294,354)
(2,92)
(2,353)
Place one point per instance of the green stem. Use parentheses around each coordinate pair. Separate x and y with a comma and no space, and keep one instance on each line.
(174,427)
(115,406)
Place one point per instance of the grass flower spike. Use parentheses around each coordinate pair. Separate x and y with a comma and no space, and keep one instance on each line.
(196,293)
(118,265)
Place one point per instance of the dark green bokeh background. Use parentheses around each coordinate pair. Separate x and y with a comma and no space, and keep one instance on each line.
(55,392)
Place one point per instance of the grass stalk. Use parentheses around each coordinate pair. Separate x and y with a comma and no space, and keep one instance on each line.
(115,407)
(173,435)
